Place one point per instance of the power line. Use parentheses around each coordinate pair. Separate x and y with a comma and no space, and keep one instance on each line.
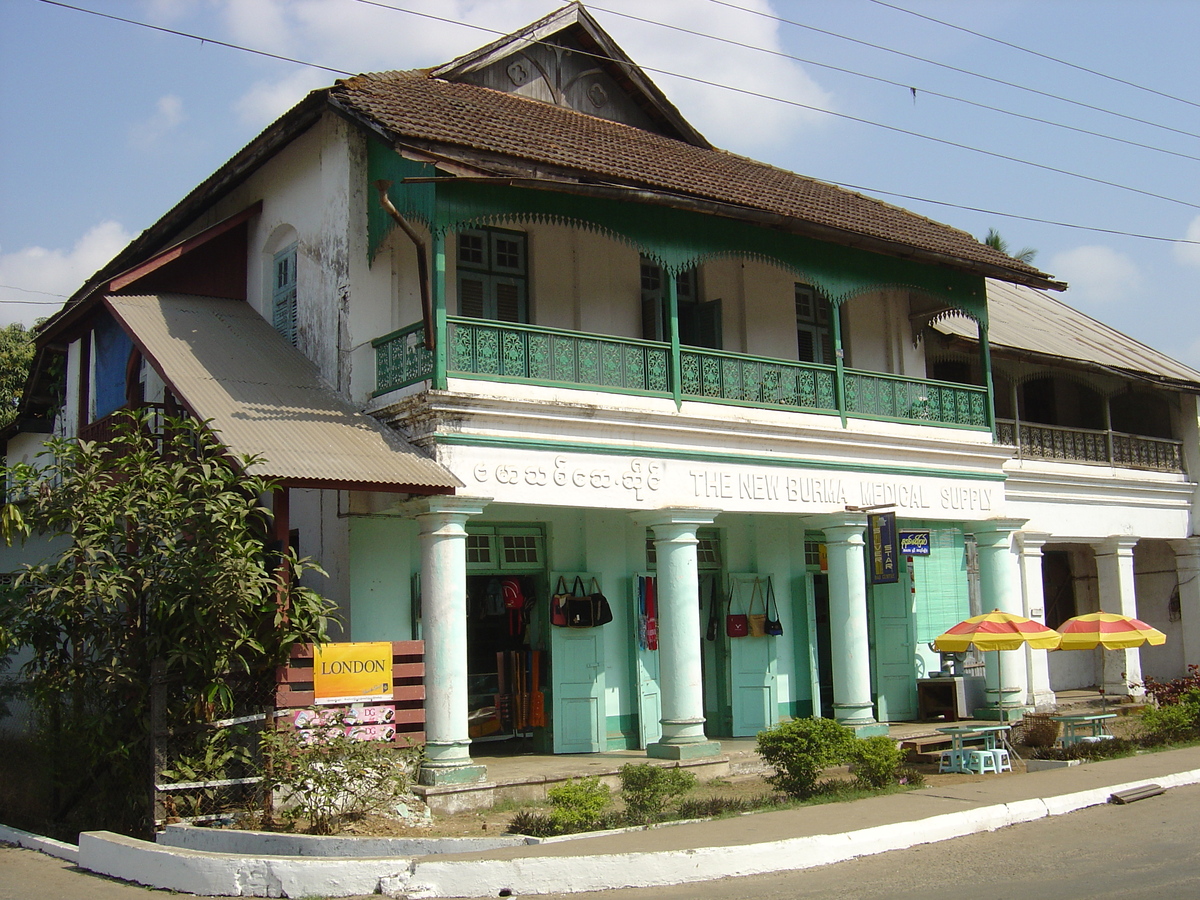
(692,79)
(1046,56)
(992,212)
(196,37)
(922,59)
(899,84)
(761,96)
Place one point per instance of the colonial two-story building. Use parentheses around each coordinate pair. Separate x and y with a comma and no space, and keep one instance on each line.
(513,321)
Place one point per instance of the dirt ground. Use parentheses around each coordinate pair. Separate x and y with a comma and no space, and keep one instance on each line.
(495,821)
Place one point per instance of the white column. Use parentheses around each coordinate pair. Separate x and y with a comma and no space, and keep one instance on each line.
(1187,565)
(1000,588)
(680,675)
(845,550)
(444,620)
(1118,594)
(1037,671)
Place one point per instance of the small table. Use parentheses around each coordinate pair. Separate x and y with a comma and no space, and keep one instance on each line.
(959,733)
(1082,727)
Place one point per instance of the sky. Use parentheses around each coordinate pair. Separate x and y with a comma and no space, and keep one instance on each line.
(1070,126)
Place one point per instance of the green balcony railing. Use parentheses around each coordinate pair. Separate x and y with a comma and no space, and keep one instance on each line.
(1090,446)
(549,356)
(872,395)
(509,352)
(738,378)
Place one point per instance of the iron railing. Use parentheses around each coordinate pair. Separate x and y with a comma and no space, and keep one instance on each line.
(1090,446)
(510,352)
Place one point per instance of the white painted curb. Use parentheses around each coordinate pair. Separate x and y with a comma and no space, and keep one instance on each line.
(228,874)
(46,845)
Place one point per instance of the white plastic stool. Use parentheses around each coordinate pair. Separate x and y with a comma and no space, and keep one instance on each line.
(983,762)
(1003,762)
(951,761)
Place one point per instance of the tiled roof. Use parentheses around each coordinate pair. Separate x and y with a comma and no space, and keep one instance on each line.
(416,106)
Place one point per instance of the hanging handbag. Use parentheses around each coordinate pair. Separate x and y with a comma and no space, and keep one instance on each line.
(736,624)
(757,622)
(558,604)
(773,625)
(586,610)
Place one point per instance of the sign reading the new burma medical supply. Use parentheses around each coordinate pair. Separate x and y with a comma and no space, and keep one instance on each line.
(914,543)
(352,673)
(885,562)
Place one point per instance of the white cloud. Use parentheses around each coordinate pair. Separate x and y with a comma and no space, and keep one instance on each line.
(168,115)
(1097,275)
(1189,254)
(34,281)
(359,37)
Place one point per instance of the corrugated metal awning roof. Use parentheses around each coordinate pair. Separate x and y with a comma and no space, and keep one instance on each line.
(1022,318)
(266,400)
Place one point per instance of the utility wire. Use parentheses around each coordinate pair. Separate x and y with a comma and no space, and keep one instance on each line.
(888,81)
(761,96)
(686,78)
(951,68)
(1046,56)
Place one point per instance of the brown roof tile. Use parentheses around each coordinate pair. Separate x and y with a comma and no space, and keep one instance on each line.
(414,105)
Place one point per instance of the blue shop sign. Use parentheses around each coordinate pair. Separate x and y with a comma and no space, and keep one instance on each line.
(914,543)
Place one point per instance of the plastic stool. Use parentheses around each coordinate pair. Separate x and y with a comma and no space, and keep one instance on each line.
(983,762)
(951,761)
(1003,762)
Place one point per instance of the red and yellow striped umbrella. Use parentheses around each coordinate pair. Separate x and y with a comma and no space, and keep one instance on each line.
(1108,630)
(996,631)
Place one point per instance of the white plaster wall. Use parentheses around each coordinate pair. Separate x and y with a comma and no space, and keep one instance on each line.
(1156,580)
(1078,669)
(878,336)
(324,537)
(767,326)
(1187,427)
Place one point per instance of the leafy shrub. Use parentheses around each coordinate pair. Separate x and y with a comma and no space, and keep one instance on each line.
(647,789)
(578,804)
(1176,691)
(876,761)
(1087,750)
(708,807)
(800,749)
(910,777)
(335,778)
(532,823)
(1176,721)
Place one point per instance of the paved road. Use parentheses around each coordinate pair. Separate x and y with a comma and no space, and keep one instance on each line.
(1144,851)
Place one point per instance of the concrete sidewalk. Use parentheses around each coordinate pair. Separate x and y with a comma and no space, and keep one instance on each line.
(745,845)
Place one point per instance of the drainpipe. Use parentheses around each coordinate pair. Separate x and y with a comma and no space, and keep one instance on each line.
(673,326)
(422,263)
(839,361)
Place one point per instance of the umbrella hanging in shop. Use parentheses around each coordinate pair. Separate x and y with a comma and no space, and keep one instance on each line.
(997,631)
(1111,631)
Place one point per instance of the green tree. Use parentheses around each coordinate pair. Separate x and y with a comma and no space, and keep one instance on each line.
(16,355)
(160,562)
(996,242)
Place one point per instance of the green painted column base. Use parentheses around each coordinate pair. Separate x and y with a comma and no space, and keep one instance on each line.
(698,750)
(436,776)
(866,731)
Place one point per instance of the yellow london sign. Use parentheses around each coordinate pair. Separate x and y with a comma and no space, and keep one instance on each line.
(352,673)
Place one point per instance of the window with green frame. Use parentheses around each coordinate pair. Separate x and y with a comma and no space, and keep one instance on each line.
(283,293)
(699,321)
(492,275)
(814,336)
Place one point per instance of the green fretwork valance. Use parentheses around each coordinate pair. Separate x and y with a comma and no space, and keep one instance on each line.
(677,239)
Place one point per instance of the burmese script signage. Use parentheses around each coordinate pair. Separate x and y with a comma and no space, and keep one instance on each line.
(594,480)
(352,673)
(914,543)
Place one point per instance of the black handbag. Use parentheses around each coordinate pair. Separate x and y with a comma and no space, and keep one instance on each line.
(587,610)
(772,625)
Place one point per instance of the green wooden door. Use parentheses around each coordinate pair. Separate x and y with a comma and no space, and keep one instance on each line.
(577,682)
(894,652)
(752,670)
(645,665)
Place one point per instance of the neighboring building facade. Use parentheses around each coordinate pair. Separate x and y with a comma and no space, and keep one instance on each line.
(514,320)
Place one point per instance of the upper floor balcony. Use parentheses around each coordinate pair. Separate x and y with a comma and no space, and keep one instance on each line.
(526,354)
